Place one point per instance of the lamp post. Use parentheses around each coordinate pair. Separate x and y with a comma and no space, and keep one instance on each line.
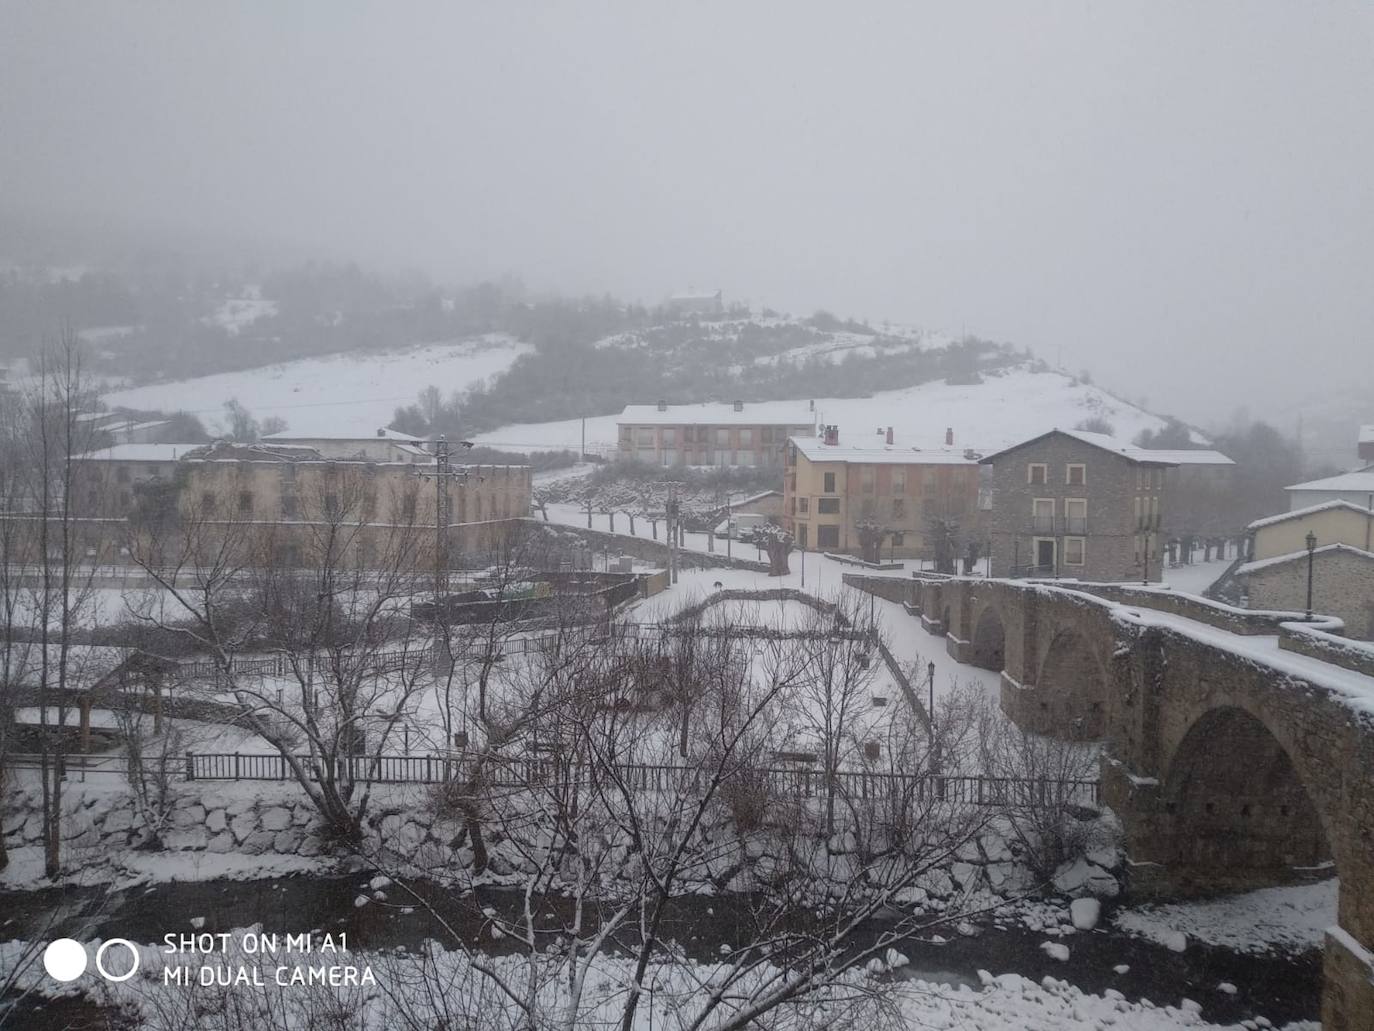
(930,683)
(1311,551)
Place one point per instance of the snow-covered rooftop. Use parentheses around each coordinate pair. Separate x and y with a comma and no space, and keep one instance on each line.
(354,434)
(760,413)
(1360,480)
(1106,443)
(1299,513)
(1294,556)
(1185,456)
(138,453)
(879,452)
(1367,434)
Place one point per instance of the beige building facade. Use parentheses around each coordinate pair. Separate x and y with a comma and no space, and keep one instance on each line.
(832,489)
(1332,522)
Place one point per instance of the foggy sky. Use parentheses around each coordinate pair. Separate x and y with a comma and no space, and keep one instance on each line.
(1176,195)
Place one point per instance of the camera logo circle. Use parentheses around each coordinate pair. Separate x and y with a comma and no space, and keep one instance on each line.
(64,959)
(133,953)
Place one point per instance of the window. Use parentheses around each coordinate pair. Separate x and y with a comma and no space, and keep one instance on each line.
(866,479)
(828,506)
(828,536)
(245,502)
(1159,479)
(898,480)
(804,505)
(288,506)
(1154,512)
(899,508)
(1042,515)
(207,503)
(1139,478)
(669,437)
(1076,515)
(829,487)
(1075,475)
(746,438)
(288,473)
(122,473)
(331,506)
(766,435)
(645,437)
(1074,550)
(866,509)
(898,539)
(1037,472)
(722,438)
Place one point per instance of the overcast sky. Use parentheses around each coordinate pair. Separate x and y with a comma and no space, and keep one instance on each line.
(1179,196)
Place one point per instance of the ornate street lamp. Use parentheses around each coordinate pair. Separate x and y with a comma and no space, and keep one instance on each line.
(1311,551)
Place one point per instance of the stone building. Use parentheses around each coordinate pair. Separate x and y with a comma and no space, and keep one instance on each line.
(837,494)
(1076,504)
(724,435)
(1200,486)
(1342,585)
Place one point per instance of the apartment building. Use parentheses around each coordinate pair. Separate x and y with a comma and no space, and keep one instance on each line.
(385,445)
(837,496)
(717,434)
(280,483)
(1076,504)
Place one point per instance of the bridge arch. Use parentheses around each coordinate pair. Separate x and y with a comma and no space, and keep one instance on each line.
(989,640)
(1239,813)
(1071,687)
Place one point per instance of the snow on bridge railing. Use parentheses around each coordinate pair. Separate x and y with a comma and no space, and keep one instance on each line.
(799,781)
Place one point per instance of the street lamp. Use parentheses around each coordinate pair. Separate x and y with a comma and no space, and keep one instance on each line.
(930,680)
(1311,551)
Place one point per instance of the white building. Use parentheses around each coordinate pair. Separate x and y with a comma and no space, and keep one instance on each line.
(1356,488)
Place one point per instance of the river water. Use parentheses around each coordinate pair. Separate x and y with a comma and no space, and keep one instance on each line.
(1281,987)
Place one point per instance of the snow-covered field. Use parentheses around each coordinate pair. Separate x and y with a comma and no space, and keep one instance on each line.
(344,393)
(1000,411)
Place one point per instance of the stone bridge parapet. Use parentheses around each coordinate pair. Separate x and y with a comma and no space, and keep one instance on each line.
(1238,746)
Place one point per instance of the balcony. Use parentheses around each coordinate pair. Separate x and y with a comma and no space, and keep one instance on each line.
(1053,526)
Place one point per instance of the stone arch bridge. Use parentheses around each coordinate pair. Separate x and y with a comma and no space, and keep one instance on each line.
(1238,746)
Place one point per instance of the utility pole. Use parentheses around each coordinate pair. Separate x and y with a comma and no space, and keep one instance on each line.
(729,530)
(672,517)
(441,521)
(583,452)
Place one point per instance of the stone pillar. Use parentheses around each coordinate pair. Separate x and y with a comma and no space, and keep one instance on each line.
(1138,802)
(1348,983)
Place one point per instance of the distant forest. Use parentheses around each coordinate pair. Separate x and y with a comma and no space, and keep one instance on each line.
(153,322)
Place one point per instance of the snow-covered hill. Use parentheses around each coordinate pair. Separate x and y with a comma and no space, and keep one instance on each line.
(356,392)
(1006,407)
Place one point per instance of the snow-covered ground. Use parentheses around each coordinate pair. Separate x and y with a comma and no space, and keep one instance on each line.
(1006,1002)
(344,393)
(1271,918)
(1000,411)
(1195,578)
(237,312)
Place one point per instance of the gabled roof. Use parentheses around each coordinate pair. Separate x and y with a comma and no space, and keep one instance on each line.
(720,413)
(879,452)
(1302,513)
(1295,556)
(1130,452)
(1360,480)
(396,436)
(138,453)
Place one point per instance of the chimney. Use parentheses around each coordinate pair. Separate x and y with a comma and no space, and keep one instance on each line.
(889,435)
(739,406)
(381,433)
(949,437)
(811,405)
(662,405)
(832,435)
